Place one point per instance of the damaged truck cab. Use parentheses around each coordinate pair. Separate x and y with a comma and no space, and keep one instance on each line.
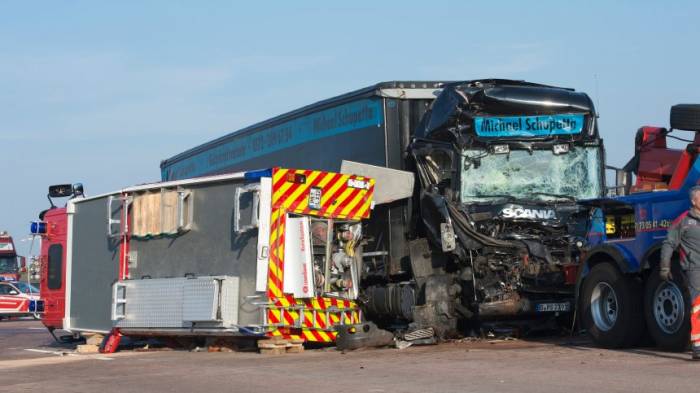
(498,231)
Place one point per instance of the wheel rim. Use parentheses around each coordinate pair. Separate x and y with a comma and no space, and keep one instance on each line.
(604,306)
(669,307)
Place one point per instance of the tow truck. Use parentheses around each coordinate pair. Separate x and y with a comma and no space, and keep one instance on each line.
(620,293)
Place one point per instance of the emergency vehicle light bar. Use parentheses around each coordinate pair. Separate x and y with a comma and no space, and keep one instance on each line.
(37,228)
(254,175)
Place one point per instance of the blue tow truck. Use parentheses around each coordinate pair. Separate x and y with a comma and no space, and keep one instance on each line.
(621,297)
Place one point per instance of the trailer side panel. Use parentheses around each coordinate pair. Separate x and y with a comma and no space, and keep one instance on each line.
(353,131)
(210,248)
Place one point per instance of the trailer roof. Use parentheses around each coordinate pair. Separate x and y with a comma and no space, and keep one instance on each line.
(391,89)
(195,180)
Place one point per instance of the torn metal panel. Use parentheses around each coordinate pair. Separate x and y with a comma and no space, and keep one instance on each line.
(391,184)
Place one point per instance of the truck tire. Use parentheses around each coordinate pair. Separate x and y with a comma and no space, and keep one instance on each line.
(667,310)
(685,117)
(611,307)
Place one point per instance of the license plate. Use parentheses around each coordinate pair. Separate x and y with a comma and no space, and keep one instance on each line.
(553,307)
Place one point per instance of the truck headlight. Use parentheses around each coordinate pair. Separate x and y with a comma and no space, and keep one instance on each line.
(561,148)
(500,149)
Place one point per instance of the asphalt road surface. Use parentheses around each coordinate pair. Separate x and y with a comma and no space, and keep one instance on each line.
(30,361)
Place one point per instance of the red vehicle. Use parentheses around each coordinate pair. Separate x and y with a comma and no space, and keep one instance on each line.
(53,228)
(11,265)
(18,299)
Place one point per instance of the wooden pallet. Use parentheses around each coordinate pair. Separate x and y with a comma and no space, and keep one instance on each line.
(279,346)
(87,348)
(94,339)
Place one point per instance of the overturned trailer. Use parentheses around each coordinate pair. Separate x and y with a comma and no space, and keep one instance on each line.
(272,252)
(492,230)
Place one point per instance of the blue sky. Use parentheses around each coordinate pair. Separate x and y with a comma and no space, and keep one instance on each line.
(100,92)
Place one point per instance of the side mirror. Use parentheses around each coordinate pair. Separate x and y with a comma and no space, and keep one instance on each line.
(60,190)
(13,292)
(78,189)
(623,181)
(438,164)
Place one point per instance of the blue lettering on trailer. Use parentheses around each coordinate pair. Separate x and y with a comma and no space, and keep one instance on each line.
(527,126)
(334,121)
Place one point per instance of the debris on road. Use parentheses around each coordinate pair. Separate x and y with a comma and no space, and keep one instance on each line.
(87,348)
(279,346)
(94,339)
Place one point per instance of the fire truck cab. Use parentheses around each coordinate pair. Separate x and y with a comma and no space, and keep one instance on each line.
(52,228)
(11,265)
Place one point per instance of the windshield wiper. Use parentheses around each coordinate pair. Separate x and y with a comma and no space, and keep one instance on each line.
(502,196)
(563,196)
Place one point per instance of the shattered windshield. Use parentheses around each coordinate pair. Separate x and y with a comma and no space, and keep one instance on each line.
(537,174)
(8,265)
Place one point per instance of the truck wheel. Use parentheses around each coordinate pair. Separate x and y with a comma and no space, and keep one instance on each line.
(667,310)
(685,117)
(611,307)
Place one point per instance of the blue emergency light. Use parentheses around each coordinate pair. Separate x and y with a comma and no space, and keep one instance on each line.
(37,228)
(255,175)
(36,306)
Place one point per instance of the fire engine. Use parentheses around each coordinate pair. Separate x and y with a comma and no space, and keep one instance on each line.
(275,252)
(11,265)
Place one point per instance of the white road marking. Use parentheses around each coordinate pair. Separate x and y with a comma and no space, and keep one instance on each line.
(58,353)
(70,357)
